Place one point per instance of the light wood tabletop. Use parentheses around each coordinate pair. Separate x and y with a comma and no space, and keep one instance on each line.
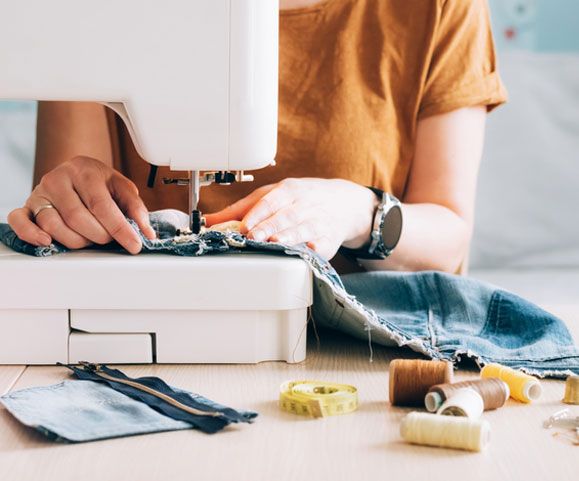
(280,446)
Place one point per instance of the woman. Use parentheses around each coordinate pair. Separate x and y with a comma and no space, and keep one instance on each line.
(391,94)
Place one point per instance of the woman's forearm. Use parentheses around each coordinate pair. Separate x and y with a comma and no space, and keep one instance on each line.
(433,238)
(69,129)
(439,197)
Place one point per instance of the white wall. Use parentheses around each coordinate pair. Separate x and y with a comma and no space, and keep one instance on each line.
(17,126)
(528,198)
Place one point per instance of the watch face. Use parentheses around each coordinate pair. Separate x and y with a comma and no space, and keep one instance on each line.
(392,227)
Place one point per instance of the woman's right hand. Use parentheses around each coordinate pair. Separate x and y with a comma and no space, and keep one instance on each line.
(90,201)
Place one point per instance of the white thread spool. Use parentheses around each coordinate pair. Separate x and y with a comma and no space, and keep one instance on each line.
(465,402)
(445,431)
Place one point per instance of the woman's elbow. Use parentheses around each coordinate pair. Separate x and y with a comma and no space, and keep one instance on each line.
(451,254)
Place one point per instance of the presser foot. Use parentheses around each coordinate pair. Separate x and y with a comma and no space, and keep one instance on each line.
(197,223)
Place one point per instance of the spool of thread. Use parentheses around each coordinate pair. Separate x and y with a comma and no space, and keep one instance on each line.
(493,391)
(445,431)
(465,402)
(523,387)
(571,390)
(410,379)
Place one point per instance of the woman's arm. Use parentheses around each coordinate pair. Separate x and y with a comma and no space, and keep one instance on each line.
(438,203)
(70,129)
(440,194)
(87,199)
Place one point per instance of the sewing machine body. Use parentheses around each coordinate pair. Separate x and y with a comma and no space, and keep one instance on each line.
(116,308)
(195,81)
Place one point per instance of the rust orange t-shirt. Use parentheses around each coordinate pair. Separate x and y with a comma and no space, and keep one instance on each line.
(356,76)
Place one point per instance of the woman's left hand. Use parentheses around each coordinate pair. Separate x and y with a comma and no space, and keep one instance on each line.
(323,213)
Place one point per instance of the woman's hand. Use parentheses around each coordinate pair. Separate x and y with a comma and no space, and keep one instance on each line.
(322,213)
(90,202)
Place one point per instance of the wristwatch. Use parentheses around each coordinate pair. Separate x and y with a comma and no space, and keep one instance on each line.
(386,230)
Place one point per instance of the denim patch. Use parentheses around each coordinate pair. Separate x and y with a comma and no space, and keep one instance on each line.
(96,407)
(80,411)
(142,389)
(440,315)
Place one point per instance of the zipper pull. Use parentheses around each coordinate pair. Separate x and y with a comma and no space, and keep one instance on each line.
(90,367)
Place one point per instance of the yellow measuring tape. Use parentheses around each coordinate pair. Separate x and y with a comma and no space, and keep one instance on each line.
(317,398)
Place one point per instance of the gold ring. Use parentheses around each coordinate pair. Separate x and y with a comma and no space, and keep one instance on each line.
(39,209)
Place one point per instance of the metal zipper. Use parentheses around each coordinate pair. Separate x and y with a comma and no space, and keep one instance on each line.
(168,399)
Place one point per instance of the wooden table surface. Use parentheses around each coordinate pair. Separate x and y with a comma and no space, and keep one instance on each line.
(279,446)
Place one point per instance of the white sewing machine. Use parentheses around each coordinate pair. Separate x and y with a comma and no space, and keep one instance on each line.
(196,83)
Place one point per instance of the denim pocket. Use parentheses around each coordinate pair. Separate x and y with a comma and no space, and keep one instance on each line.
(521,330)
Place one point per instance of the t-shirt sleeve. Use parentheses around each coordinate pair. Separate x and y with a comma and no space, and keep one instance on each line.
(463,67)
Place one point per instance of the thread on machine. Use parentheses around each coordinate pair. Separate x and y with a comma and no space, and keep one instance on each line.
(523,387)
(493,392)
(410,379)
(445,431)
(465,402)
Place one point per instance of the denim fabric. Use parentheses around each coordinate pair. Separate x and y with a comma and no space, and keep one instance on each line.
(206,424)
(446,317)
(79,411)
(95,408)
(10,239)
(440,315)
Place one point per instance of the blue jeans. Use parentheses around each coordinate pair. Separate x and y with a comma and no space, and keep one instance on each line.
(440,315)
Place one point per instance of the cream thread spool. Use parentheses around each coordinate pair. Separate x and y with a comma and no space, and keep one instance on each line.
(465,402)
(494,393)
(410,379)
(571,390)
(445,431)
(523,387)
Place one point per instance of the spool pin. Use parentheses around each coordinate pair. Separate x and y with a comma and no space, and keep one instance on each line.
(410,379)
(494,393)
(523,387)
(445,431)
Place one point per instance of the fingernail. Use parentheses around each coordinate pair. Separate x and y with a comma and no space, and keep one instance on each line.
(249,224)
(258,235)
(44,239)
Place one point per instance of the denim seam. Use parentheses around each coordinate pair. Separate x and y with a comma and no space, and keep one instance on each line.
(493,307)
(113,432)
(432,308)
(430,324)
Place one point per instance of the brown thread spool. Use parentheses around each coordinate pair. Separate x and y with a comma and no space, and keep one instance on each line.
(493,391)
(410,380)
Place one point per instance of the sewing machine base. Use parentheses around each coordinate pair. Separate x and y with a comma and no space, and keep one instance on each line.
(115,308)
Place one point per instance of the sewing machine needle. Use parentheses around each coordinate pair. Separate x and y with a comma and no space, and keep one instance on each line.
(194,214)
